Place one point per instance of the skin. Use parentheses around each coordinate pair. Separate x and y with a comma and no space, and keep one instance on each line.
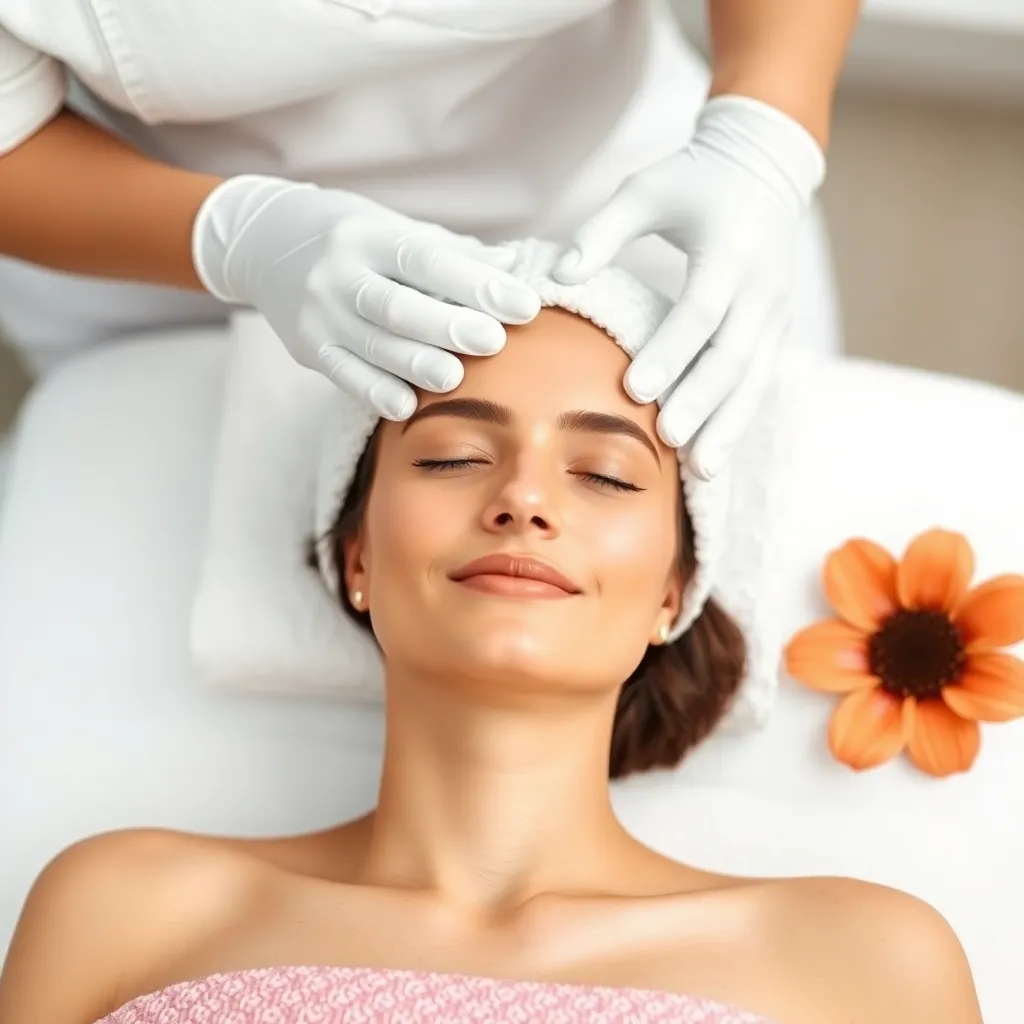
(787,53)
(494,849)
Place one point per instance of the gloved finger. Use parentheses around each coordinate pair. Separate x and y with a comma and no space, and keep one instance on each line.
(716,373)
(445,271)
(422,365)
(718,438)
(683,333)
(387,395)
(625,217)
(408,313)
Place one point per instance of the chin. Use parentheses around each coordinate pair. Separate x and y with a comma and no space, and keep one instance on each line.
(518,658)
(511,648)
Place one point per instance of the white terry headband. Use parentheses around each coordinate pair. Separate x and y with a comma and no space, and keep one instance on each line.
(630,313)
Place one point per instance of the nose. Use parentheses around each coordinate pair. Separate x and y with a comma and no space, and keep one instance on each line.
(524,503)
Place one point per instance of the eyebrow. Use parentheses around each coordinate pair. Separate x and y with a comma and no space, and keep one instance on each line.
(584,420)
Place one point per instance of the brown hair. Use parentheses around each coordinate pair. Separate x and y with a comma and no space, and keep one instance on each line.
(675,696)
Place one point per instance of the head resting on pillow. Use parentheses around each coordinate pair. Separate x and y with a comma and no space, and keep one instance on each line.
(539,455)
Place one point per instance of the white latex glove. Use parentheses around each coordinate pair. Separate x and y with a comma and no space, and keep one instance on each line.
(374,300)
(732,200)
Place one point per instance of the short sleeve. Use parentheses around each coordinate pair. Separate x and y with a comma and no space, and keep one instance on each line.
(32,88)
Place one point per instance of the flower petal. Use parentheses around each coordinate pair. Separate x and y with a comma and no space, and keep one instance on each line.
(860,583)
(935,571)
(991,688)
(941,742)
(867,728)
(830,656)
(992,614)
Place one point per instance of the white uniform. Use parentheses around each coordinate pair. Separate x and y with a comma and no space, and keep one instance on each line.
(494,117)
(500,118)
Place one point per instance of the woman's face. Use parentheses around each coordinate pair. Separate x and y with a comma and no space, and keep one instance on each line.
(539,464)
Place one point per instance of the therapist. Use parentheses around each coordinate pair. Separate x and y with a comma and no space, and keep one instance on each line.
(347,166)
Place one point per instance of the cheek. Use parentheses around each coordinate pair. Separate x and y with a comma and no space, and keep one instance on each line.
(409,528)
(634,552)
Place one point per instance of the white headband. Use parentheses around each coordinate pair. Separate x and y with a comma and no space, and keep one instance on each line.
(629,312)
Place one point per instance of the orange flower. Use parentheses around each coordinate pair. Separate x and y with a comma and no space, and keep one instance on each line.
(914,652)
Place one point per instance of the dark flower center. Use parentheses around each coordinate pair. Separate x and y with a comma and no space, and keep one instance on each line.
(916,653)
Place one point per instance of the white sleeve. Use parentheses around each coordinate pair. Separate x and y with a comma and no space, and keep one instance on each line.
(32,88)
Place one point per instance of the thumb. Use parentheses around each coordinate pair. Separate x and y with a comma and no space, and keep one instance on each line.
(598,240)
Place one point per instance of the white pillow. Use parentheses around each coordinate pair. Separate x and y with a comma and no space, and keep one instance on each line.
(262,619)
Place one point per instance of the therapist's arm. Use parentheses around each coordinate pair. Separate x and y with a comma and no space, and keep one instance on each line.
(787,53)
(75,198)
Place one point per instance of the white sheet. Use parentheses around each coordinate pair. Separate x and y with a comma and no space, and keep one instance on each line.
(100,723)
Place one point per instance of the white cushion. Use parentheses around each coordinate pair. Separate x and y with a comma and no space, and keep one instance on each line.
(102,723)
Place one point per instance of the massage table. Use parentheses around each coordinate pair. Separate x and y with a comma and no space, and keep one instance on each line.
(104,724)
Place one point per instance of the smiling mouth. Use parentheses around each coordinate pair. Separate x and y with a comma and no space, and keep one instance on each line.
(515,576)
(512,586)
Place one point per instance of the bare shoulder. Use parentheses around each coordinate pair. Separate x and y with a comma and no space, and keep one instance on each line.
(105,910)
(875,954)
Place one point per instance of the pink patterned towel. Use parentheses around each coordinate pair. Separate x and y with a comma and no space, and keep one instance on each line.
(355,995)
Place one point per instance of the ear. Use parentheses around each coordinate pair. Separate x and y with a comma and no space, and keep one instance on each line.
(355,576)
(671,604)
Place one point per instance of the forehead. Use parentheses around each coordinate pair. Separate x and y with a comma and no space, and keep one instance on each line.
(556,362)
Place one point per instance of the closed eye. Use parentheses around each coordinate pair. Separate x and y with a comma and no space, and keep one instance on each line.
(609,481)
(439,464)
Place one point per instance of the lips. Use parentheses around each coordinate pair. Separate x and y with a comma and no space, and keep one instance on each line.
(515,575)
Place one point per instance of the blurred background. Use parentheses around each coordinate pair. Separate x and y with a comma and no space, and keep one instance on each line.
(925,190)
(925,194)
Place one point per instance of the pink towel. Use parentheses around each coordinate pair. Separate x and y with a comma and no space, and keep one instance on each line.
(355,995)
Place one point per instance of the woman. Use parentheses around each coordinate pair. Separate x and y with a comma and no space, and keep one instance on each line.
(313,160)
(519,550)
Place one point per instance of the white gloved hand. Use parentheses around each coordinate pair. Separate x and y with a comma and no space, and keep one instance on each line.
(374,300)
(732,200)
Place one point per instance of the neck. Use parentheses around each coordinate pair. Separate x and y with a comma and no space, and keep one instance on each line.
(488,806)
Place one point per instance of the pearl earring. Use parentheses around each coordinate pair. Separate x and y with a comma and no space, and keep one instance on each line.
(357,600)
(663,633)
